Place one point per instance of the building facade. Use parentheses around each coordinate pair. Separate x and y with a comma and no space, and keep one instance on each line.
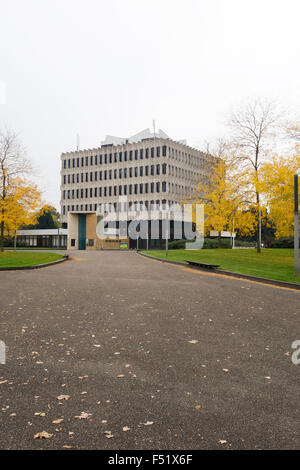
(146,168)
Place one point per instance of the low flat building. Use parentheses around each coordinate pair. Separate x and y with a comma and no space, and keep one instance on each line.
(43,238)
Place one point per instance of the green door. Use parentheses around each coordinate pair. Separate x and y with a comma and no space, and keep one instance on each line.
(81,232)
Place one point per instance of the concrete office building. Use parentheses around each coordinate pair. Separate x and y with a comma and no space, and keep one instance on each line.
(147,168)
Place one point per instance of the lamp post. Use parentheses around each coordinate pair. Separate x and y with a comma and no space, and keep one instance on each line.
(296,224)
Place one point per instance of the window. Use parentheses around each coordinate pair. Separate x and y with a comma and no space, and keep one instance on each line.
(164,169)
(158,187)
(136,154)
(130,155)
(158,169)
(146,170)
(64,179)
(125,172)
(125,156)
(141,171)
(120,173)
(152,152)
(125,190)
(96,175)
(147,153)
(130,172)
(86,177)
(152,187)
(73,242)
(100,174)
(120,190)
(91,192)
(110,158)
(105,158)
(82,161)
(91,160)
(141,188)
(65,164)
(158,151)
(91,176)
(77,162)
(115,157)
(130,189)
(146,188)
(152,170)
(164,151)
(86,161)
(164,186)
(135,189)
(120,156)
(95,192)
(101,159)
(141,154)
(136,171)
(115,174)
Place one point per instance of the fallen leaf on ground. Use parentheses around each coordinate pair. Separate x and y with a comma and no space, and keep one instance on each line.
(42,435)
(221,441)
(63,397)
(193,341)
(125,428)
(148,423)
(57,421)
(84,415)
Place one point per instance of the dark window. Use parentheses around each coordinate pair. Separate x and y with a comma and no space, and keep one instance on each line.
(95,192)
(115,157)
(86,161)
(82,161)
(91,160)
(141,154)
(146,188)
(130,172)
(73,241)
(110,158)
(101,159)
(164,150)
(120,173)
(158,169)
(136,171)
(135,189)
(130,189)
(120,190)
(164,186)
(158,187)
(91,176)
(141,171)
(164,169)
(115,174)
(96,175)
(152,152)
(158,151)
(130,155)
(120,156)
(152,187)
(100,175)
(65,164)
(152,170)
(136,154)
(105,158)
(125,156)
(77,163)
(147,153)
(146,170)
(141,188)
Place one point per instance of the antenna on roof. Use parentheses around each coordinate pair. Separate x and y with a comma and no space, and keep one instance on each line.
(78,142)
(154,128)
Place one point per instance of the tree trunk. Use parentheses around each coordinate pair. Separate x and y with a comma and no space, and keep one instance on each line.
(2,237)
(258,238)
(219,240)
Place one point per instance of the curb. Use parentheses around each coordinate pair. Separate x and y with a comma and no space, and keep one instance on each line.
(262,280)
(22,268)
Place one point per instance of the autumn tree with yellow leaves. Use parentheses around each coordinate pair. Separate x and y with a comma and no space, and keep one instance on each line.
(277,186)
(19,198)
(224,199)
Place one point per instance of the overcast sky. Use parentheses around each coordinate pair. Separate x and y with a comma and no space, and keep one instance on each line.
(98,67)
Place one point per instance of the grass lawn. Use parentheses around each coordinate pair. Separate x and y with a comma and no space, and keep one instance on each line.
(270,263)
(10,259)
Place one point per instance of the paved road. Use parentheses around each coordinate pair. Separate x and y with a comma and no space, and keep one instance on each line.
(185,360)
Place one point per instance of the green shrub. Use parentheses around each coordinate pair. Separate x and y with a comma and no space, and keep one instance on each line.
(284,242)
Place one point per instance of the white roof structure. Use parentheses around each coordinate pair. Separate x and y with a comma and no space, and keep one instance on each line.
(145,134)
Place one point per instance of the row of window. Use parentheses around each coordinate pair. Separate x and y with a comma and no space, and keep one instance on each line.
(125,190)
(115,157)
(117,206)
(122,173)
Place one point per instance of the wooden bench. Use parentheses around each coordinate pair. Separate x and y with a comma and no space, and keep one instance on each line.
(202,265)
